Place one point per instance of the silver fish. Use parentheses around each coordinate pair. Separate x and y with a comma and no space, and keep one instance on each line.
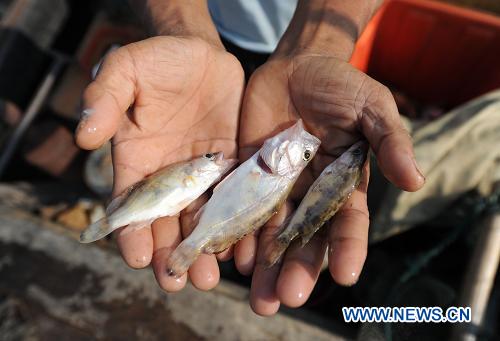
(248,197)
(323,199)
(164,193)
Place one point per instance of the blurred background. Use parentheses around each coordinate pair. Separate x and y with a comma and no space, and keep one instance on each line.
(436,56)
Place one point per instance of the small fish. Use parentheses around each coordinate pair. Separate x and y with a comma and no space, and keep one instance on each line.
(164,193)
(248,197)
(323,199)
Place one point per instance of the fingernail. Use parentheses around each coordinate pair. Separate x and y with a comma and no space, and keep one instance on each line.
(84,115)
(418,169)
(353,281)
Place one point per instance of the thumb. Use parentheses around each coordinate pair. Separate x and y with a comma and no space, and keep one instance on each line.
(389,139)
(106,99)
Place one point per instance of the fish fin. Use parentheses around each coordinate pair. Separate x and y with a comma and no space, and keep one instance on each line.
(96,231)
(198,213)
(217,187)
(115,203)
(267,154)
(136,226)
(276,249)
(179,207)
(253,207)
(181,259)
(307,237)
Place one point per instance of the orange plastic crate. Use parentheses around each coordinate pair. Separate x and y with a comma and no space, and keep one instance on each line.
(434,52)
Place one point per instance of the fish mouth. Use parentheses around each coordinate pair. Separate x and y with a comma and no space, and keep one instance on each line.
(359,151)
(218,157)
(360,147)
(226,163)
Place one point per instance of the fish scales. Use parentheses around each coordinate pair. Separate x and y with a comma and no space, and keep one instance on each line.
(323,199)
(248,197)
(252,219)
(164,193)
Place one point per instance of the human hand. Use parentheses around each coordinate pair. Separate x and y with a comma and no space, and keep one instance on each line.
(340,105)
(163,100)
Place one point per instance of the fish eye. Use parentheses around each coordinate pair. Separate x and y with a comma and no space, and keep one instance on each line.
(307,155)
(209,156)
(356,152)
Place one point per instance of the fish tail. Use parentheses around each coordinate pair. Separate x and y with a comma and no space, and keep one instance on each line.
(181,259)
(275,250)
(96,231)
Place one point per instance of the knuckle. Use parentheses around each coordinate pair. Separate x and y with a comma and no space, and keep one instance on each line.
(91,92)
(360,215)
(377,93)
(121,58)
(384,91)
(117,55)
(351,242)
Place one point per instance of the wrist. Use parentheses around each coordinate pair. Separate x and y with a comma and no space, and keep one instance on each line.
(186,18)
(326,27)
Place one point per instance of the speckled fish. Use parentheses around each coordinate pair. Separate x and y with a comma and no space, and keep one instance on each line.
(248,197)
(164,193)
(323,199)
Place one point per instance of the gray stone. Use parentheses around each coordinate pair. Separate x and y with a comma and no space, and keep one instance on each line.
(74,291)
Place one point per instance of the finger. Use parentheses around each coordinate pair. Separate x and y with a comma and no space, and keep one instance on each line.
(263,297)
(166,237)
(348,236)
(389,139)
(106,99)
(136,247)
(244,254)
(204,272)
(225,255)
(300,270)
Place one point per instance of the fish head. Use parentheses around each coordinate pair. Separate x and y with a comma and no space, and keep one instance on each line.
(214,164)
(355,156)
(289,152)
